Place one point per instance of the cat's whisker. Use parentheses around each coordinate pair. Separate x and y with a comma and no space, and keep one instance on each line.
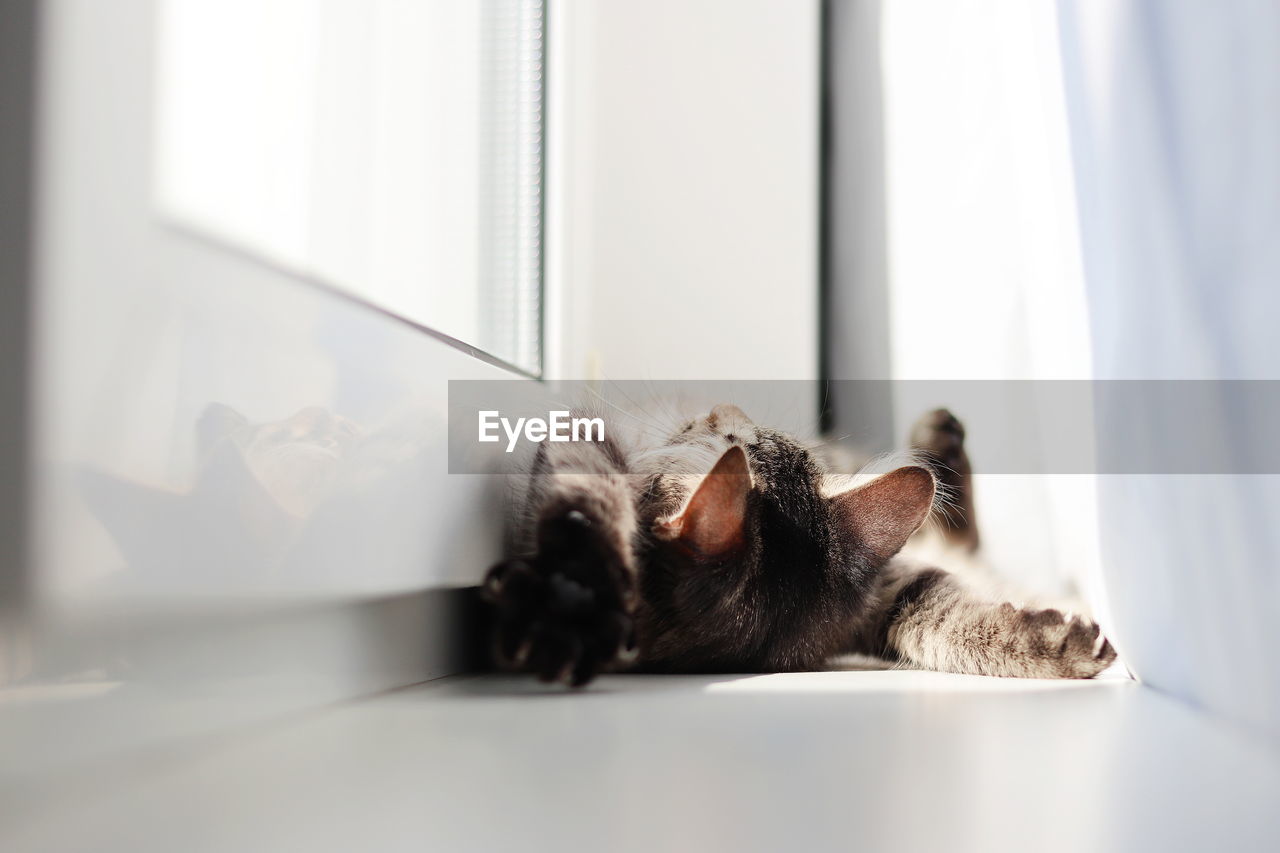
(638,412)
(637,409)
(828,442)
(649,429)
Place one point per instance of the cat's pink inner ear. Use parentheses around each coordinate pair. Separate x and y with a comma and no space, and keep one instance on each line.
(884,512)
(712,522)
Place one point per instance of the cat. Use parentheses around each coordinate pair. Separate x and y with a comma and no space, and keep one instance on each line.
(731,547)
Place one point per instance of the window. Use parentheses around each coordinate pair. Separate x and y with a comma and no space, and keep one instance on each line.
(392,149)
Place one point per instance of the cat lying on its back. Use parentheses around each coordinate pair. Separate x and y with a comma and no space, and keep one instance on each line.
(730,547)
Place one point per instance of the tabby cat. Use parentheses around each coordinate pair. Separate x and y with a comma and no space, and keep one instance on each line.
(730,547)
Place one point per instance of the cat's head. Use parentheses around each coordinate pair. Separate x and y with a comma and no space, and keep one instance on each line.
(764,525)
(294,459)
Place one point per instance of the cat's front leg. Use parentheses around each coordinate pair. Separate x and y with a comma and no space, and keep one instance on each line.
(564,612)
(934,621)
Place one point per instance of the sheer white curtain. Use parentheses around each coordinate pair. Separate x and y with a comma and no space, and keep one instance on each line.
(1174,110)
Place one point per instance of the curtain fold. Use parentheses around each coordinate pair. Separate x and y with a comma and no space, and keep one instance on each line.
(1174,113)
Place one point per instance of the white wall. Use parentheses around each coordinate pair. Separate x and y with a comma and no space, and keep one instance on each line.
(684,171)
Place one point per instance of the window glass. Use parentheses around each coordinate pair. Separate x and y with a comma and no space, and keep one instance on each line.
(389,148)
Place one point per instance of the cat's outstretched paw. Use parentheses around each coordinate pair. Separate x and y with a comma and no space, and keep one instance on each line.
(1055,645)
(565,612)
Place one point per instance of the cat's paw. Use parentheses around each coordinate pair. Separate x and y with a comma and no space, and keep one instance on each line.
(940,434)
(1057,645)
(939,437)
(565,612)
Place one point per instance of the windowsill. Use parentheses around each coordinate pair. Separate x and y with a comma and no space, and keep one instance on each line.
(872,759)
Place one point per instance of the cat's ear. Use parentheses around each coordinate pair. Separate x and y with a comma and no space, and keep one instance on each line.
(217,421)
(712,522)
(884,512)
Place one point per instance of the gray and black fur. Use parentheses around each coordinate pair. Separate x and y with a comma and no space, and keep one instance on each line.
(729,547)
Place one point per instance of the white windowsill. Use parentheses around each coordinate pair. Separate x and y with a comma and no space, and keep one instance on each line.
(853,759)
